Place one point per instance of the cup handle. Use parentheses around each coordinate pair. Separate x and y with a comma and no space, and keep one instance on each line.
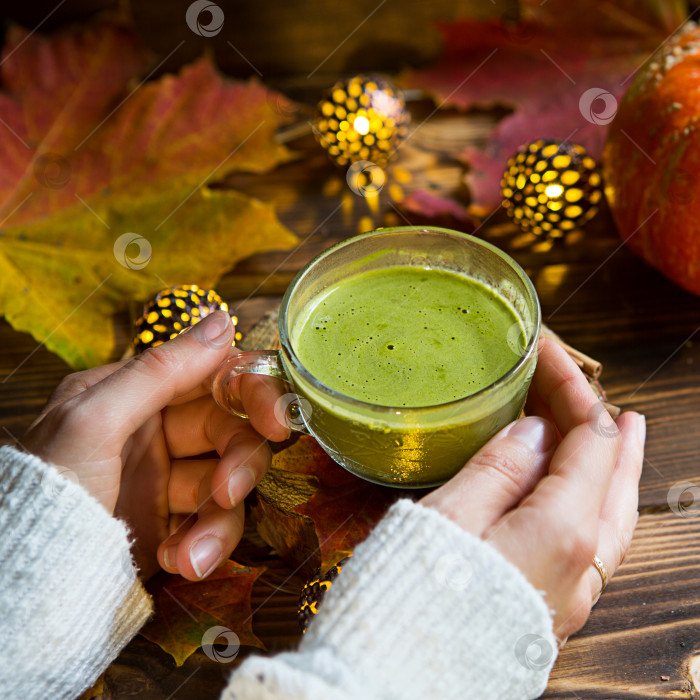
(289,409)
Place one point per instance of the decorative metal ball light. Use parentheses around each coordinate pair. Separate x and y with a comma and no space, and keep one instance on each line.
(313,592)
(551,188)
(173,310)
(362,119)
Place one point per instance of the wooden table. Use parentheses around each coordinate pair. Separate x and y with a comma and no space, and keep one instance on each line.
(643,636)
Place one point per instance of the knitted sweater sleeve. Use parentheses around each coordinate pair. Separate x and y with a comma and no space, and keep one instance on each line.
(70,598)
(423,609)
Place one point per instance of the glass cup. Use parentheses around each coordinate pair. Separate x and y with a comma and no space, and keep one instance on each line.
(402,447)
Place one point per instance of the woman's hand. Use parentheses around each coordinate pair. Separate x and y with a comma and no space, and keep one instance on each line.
(555,489)
(126,432)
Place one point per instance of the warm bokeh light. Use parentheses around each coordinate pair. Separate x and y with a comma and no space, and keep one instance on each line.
(554,191)
(361,125)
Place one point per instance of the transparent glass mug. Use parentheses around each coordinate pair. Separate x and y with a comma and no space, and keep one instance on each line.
(402,447)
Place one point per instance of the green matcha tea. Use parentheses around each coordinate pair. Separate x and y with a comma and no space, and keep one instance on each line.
(407,336)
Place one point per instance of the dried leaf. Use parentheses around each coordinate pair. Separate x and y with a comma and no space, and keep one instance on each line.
(306,493)
(541,68)
(89,156)
(435,206)
(185,610)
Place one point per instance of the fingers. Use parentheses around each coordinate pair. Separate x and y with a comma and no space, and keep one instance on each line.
(256,395)
(200,426)
(260,396)
(247,385)
(202,389)
(585,458)
(498,476)
(535,406)
(618,515)
(76,383)
(562,387)
(583,464)
(188,478)
(150,381)
(567,501)
(188,427)
(215,489)
(552,536)
(196,552)
(244,461)
(227,481)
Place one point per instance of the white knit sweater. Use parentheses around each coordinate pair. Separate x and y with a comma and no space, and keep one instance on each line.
(423,609)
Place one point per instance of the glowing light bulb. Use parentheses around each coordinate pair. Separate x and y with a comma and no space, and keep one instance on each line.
(361,125)
(554,191)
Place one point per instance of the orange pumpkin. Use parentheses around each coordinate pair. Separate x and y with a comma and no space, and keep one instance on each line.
(651,162)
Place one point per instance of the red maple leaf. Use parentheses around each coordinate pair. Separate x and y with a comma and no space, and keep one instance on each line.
(97,156)
(344,508)
(186,610)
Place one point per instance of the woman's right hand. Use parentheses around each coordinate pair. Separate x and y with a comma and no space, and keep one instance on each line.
(555,489)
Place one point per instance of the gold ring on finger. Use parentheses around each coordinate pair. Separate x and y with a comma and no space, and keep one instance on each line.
(600,568)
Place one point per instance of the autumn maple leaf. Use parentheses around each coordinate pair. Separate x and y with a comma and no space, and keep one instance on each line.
(186,610)
(103,193)
(314,512)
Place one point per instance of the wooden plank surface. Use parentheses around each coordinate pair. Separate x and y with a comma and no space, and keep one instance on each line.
(643,636)
(599,298)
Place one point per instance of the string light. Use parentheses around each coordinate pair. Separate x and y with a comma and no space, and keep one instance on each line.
(362,119)
(551,188)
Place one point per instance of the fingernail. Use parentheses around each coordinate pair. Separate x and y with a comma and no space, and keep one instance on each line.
(213,326)
(641,428)
(534,432)
(169,556)
(205,555)
(240,484)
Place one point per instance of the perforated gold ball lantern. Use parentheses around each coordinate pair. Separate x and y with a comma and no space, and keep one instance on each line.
(173,310)
(363,118)
(313,592)
(551,188)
